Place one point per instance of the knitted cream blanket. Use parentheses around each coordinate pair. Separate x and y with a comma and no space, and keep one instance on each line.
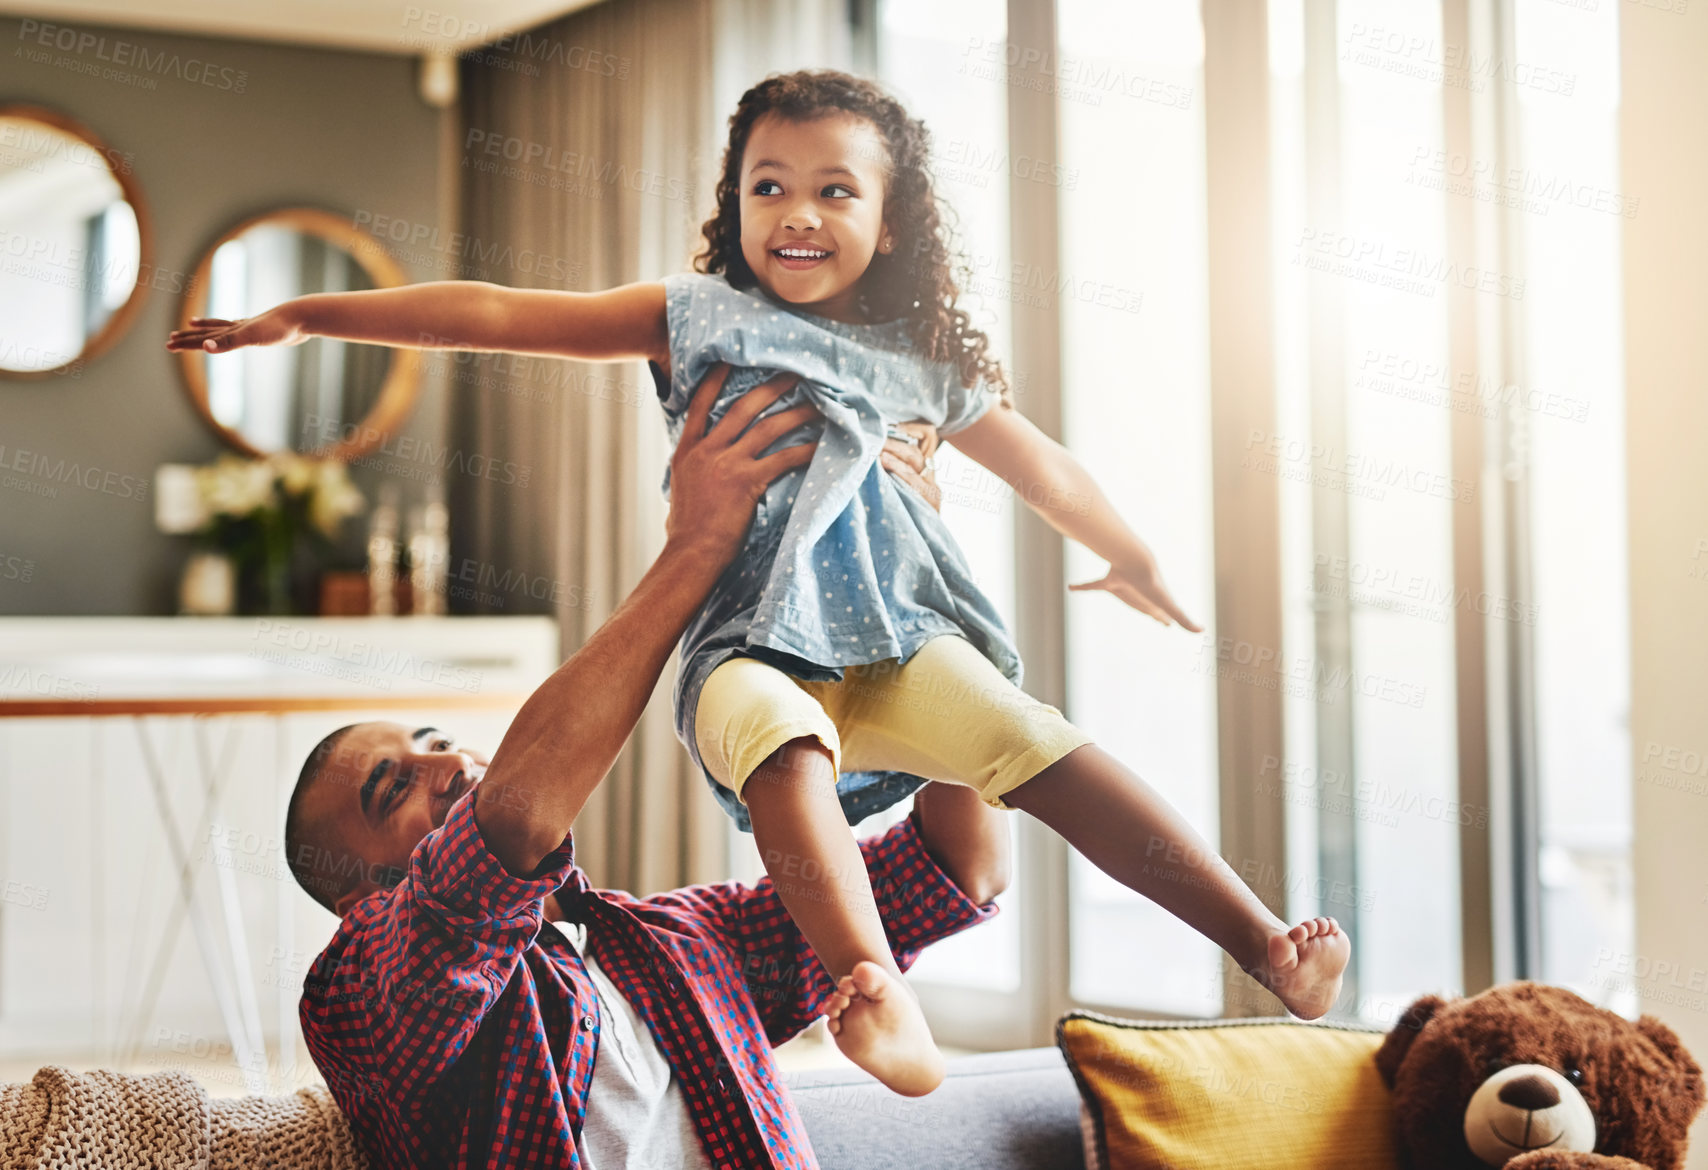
(166,1121)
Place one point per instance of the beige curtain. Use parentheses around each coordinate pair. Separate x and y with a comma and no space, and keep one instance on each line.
(590,152)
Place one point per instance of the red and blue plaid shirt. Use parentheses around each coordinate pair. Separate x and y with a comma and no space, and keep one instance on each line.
(454,1028)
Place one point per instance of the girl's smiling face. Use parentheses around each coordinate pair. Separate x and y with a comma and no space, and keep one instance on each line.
(812,209)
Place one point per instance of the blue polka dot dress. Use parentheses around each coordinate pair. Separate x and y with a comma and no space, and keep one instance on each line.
(843,564)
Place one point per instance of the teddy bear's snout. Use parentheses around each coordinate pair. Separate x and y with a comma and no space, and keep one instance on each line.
(1527,1107)
(1529,1093)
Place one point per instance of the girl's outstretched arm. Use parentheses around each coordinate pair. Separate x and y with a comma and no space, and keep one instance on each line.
(1059,489)
(618,324)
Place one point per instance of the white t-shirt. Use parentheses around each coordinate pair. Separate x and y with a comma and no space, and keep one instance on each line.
(637,1118)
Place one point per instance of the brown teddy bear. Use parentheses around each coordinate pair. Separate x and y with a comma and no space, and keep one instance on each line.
(1531,1077)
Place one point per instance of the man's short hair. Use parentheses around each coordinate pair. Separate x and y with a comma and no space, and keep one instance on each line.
(325,884)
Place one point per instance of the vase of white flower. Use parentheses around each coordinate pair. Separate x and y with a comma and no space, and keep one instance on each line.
(268,515)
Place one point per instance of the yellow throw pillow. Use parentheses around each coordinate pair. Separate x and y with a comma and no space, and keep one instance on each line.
(1229,1095)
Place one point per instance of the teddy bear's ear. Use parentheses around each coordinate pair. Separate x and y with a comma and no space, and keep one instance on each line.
(1673,1049)
(1393,1051)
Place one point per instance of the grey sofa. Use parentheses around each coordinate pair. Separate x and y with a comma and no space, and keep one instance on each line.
(999,1111)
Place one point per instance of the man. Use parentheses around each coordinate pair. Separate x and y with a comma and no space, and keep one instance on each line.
(481,1005)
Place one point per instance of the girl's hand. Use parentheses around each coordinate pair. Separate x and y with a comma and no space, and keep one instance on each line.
(1138,582)
(277,326)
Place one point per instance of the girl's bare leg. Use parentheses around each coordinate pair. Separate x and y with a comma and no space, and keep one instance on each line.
(967,838)
(818,871)
(1136,837)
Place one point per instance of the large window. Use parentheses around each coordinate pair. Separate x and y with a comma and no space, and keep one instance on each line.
(1442,277)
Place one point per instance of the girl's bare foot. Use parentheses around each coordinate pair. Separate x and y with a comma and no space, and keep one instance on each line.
(1304,966)
(877,1024)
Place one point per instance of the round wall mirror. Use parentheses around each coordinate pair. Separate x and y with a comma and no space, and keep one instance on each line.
(75,252)
(325,397)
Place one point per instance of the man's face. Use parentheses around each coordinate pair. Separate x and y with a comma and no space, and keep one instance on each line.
(382,789)
(812,208)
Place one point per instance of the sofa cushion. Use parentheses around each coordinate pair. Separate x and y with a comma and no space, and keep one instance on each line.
(1257,1094)
(998,1111)
(104,1118)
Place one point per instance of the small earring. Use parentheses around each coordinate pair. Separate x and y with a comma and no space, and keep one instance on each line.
(885,246)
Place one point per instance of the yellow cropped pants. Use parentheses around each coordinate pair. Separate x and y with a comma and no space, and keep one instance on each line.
(946,714)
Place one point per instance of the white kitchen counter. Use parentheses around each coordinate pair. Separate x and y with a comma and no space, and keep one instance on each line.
(96,658)
(147,914)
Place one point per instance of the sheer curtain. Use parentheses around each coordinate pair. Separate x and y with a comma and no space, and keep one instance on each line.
(590,150)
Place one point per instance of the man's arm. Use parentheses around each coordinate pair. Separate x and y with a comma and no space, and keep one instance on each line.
(918,902)
(403,990)
(567,735)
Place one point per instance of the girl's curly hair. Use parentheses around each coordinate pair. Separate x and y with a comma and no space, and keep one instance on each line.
(916,279)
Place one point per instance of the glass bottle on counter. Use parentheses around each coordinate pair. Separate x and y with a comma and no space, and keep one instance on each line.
(382,554)
(429,550)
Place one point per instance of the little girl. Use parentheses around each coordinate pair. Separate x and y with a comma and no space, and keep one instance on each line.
(849,638)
